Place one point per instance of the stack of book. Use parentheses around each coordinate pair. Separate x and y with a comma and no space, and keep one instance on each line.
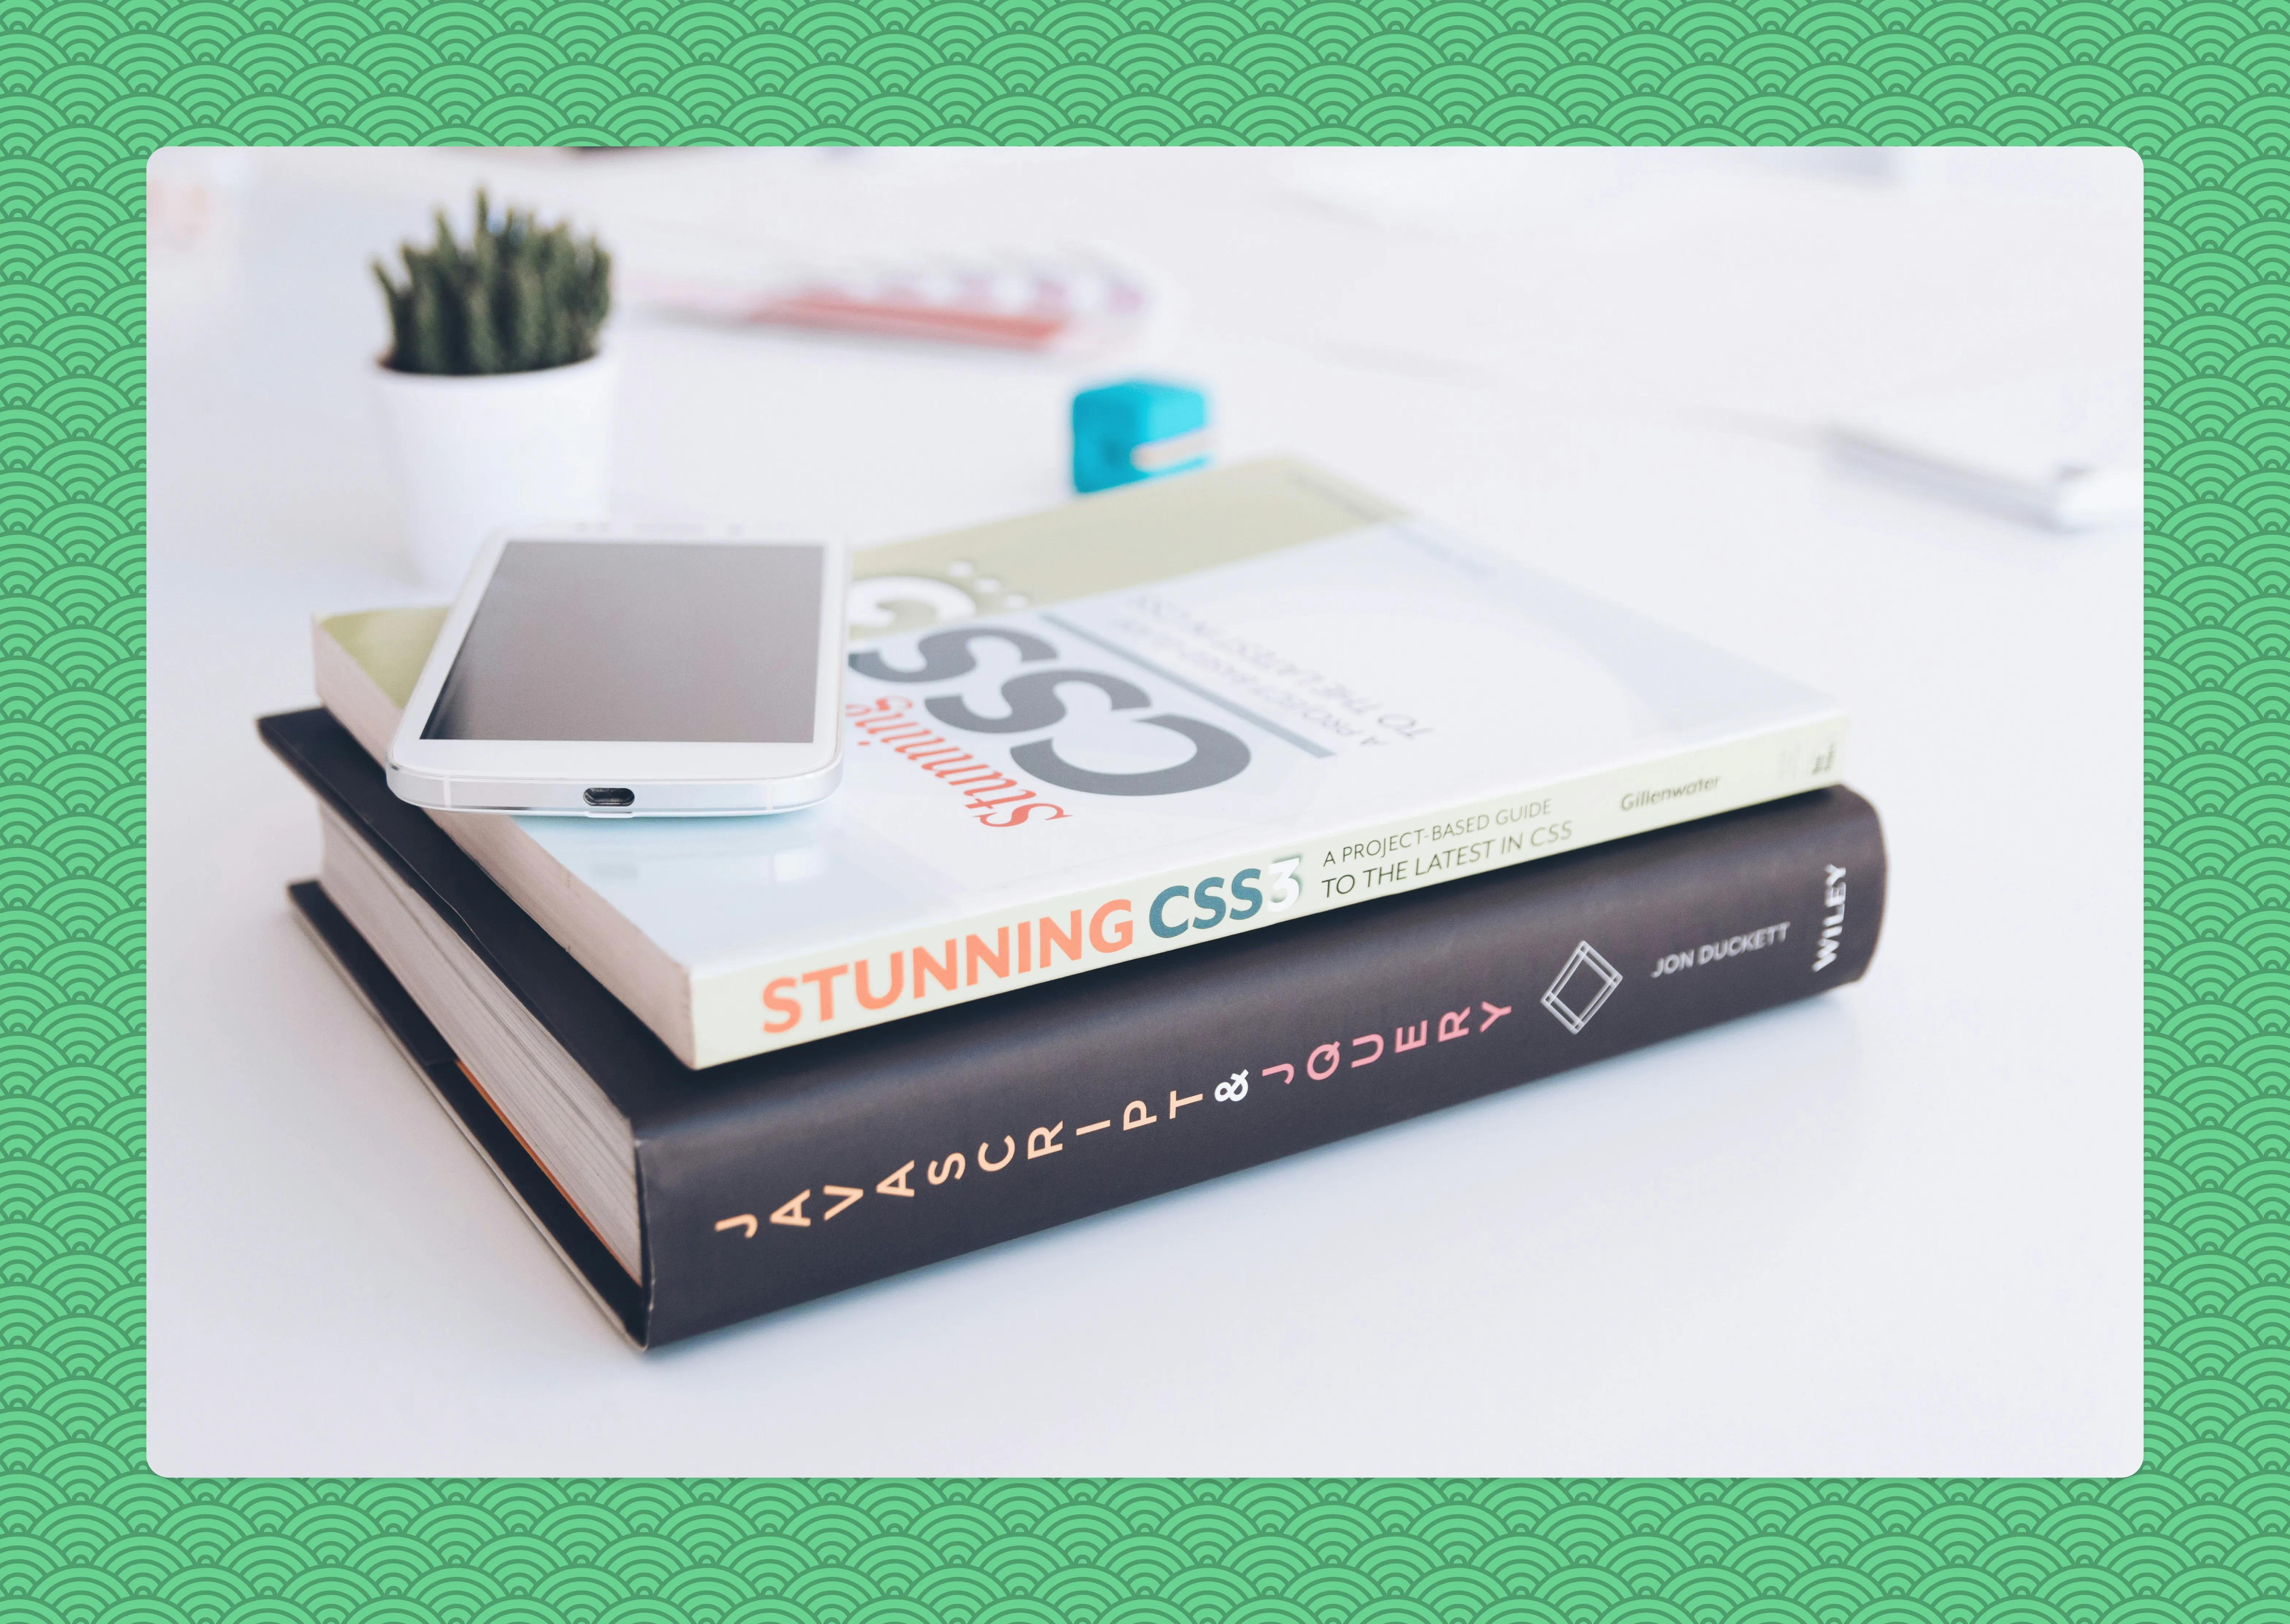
(1182,827)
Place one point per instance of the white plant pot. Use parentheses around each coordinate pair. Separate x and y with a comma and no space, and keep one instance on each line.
(476,453)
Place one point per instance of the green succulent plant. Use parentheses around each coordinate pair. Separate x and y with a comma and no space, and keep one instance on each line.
(517,299)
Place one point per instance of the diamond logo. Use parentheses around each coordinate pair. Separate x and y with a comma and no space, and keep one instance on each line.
(1582,988)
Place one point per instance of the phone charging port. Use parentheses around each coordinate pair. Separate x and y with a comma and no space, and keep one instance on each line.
(609,798)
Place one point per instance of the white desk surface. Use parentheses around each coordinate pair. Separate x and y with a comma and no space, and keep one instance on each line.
(1895,1230)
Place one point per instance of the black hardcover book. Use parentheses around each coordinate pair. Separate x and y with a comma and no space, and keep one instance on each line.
(426,1050)
(768,1181)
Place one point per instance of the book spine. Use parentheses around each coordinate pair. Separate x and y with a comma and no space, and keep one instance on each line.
(757,1008)
(1081,1098)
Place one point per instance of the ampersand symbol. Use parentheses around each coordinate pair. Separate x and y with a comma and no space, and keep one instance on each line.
(1236,1088)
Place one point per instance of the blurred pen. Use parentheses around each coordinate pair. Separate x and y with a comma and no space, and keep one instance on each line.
(2068,496)
(2062,496)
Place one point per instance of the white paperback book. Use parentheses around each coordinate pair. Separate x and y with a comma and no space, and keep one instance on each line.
(1142,720)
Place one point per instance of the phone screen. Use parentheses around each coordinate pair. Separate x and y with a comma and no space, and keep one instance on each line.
(680,642)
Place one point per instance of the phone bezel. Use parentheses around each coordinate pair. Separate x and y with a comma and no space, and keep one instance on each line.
(669,777)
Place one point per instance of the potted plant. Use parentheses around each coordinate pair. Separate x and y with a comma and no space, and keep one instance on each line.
(498,402)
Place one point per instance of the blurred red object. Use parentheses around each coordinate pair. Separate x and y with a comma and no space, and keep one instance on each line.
(1014,303)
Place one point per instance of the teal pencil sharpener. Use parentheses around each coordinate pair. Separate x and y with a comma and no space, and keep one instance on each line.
(1139,429)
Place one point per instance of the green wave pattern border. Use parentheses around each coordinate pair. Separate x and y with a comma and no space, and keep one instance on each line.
(88,1534)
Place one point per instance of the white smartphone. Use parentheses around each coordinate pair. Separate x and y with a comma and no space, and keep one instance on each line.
(608,671)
